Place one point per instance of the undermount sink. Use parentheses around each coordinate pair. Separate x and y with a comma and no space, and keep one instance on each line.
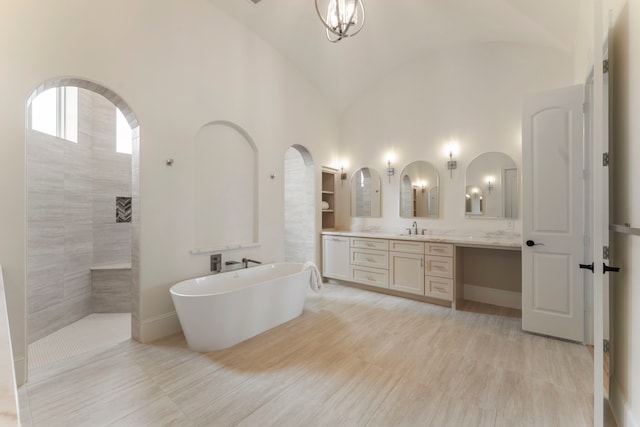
(412,236)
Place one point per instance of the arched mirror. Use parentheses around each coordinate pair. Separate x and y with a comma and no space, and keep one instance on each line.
(419,191)
(365,193)
(492,187)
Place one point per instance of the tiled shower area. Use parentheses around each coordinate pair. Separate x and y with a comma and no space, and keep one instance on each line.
(79,223)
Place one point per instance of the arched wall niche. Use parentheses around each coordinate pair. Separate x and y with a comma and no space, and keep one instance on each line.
(226,187)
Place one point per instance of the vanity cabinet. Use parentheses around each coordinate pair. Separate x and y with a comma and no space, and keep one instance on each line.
(335,257)
(421,268)
(408,266)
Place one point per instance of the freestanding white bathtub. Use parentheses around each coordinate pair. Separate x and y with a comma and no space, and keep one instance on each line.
(223,309)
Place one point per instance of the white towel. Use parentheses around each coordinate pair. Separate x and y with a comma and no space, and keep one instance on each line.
(315,280)
(325,205)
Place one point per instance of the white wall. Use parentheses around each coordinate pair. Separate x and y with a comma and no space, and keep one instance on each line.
(472,95)
(179,64)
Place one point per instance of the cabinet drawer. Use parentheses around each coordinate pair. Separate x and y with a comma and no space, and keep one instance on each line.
(406,246)
(369,258)
(369,276)
(439,266)
(364,243)
(439,249)
(438,287)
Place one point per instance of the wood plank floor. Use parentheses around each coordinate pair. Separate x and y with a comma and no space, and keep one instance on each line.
(354,358)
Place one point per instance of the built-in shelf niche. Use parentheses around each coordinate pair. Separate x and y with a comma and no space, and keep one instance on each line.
(328,196)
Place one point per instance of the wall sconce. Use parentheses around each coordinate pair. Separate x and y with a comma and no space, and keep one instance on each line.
(390,171)
(451,164)
(489,184)
(343,175)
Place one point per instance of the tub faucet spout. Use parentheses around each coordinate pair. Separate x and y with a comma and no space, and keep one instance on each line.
(246,261)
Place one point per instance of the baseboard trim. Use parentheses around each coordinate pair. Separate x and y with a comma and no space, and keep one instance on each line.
(620,407)
(492,296)
(160,326)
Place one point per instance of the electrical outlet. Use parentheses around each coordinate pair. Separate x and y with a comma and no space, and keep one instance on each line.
(510,225)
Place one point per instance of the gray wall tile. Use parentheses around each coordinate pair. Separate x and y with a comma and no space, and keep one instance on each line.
(71,191)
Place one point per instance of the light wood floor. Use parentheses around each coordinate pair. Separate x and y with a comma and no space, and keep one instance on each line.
(354,358)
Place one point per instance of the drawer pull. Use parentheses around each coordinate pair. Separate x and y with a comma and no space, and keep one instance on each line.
(370,245)
(370,278)
(371,260)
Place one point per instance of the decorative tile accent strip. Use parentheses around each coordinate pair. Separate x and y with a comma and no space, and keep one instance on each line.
(123,209)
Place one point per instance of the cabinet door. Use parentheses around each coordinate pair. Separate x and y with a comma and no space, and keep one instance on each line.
(335,257)
(406,272)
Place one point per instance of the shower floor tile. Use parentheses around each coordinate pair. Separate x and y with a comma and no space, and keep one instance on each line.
(89,333)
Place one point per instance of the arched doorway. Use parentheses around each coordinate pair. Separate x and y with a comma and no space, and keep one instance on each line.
(299,205)
(82,157)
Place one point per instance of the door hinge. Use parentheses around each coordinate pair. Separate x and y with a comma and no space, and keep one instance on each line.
(605,159)
(585,107)
(605,252)
(606,346)
(605,66)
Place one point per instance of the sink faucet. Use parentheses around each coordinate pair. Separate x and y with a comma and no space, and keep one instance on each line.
(414,227)
(246,261)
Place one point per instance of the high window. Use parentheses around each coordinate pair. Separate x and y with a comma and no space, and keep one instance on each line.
(55,112)
(124,138)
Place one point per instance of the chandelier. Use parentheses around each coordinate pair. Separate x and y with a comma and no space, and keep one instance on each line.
(344,18)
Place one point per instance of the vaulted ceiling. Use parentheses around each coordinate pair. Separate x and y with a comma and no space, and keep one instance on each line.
(398,32)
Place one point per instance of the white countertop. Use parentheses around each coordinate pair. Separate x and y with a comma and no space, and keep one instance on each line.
(8,394)
(497,239)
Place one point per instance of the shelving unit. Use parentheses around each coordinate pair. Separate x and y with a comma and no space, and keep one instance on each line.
(328,195)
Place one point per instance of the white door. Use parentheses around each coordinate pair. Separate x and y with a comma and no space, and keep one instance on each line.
(553,213)
(600,128)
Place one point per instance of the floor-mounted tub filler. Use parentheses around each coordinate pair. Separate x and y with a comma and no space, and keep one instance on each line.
(221,310)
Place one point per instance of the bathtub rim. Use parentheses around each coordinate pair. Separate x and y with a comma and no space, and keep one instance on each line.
(249,286)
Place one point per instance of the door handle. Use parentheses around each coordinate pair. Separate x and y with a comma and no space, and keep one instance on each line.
(587,267)
(532,243)
(606,268)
